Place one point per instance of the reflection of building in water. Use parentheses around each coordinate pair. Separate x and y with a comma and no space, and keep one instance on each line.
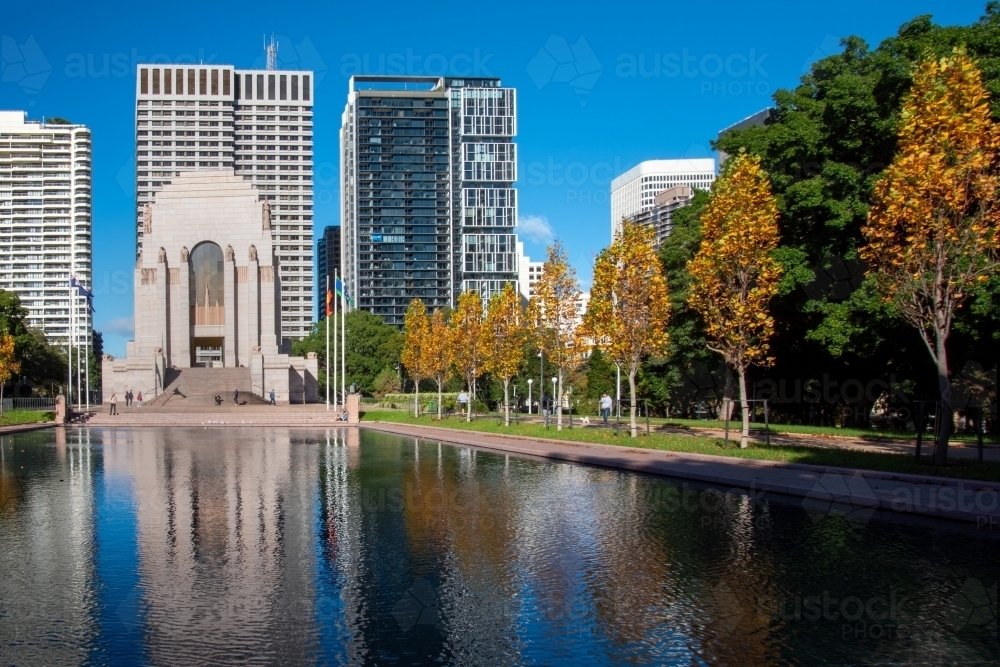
(46,521)
(225,527)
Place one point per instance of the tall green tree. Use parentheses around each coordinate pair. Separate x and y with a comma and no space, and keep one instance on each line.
(826,144)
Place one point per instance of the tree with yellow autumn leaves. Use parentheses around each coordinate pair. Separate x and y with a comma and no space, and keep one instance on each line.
(437,353)
(552,317)
(502,338)
(9,365)
(629,303)
(414,355)
(932,235)
(734,274)
(466,341)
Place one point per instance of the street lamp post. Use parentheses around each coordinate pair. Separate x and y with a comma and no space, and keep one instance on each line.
(554,397)
(618,390)
(529,395)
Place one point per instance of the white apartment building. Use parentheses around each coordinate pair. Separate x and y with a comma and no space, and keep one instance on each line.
(45,221)
(528,272)
(635,191)
(258,123)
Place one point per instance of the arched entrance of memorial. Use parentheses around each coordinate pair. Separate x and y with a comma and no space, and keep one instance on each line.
(208,307)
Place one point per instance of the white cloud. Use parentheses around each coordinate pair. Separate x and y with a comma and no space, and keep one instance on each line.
(121,326)
(536,228)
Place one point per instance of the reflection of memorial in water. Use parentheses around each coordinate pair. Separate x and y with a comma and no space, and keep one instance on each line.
(226,545)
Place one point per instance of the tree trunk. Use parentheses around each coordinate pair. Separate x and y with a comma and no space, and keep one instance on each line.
(944,385)
(633,401)
(506,405)
(416,400)
(439,398)
(1,399)
(745,409)
(468,406)
(559,404)
(727,395)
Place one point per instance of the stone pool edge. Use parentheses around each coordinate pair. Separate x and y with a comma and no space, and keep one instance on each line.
(852,489)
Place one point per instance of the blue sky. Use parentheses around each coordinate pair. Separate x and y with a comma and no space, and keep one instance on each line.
(601,86)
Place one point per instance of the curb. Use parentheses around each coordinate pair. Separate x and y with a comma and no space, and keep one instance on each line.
(661,467)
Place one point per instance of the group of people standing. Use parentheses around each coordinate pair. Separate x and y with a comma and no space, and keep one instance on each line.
(129,400)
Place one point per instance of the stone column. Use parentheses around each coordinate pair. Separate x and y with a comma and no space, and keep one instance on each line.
(180,351)
(162,332)
(229,347)
(253,303)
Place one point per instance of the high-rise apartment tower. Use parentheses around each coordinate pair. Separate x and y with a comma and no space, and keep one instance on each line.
(45,221)
(428,203)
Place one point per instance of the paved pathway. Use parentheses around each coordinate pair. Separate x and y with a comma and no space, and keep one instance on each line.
(856,493)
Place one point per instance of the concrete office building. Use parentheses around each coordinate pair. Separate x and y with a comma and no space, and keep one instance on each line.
(428,203)
(256,122)
(45,221)
(758,119)
(635,191)
(327,264)
(528,273)
(660,216)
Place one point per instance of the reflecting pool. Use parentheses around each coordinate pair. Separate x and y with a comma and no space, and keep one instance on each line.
(302,547)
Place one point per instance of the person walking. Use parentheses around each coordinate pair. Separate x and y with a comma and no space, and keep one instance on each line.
(605,407)
(272,398)
(546,408)
(463,401)
(138,399)
(236,396)
(114,405)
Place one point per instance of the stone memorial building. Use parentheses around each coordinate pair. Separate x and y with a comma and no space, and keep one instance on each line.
(207,291)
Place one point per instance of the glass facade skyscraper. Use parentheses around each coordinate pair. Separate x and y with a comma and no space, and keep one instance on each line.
(427,201)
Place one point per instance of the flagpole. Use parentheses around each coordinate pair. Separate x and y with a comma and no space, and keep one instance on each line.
(343,342)
(86,363)
(334,299)
(326,316)
(69,352)
(79,399)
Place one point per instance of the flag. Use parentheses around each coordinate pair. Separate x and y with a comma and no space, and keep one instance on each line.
(342,291)
(329,303)
(82,291)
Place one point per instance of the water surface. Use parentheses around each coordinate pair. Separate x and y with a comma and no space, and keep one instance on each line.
(303,547)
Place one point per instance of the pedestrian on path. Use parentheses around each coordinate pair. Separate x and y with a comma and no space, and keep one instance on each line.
(605,407)
(272,398)
(114,405)
(138,399)
(546,408)
(236,396)
(463,401)
(128,397)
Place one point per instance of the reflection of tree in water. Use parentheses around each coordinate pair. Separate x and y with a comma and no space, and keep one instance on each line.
(671,565)
(458,504)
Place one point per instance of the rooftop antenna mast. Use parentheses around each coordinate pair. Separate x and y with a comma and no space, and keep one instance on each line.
(272,53)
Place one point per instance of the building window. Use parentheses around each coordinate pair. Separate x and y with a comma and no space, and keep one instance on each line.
(225,82)
(295,86)
(270,86)
(203,82)
(283,87)
(305,87)
(166,82)
(156,82)
(260,86)
(215,82)
(190,82)
(143,81)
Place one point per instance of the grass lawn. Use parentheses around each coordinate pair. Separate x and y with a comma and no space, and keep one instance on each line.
(843,458)
(865,434)
(13,417)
